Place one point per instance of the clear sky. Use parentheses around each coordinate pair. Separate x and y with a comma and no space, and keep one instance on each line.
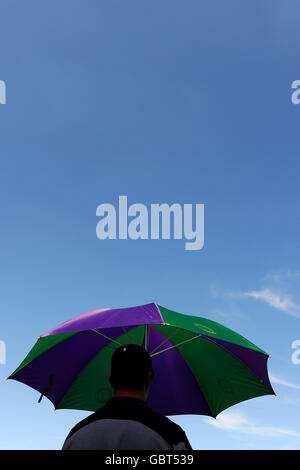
(162,101)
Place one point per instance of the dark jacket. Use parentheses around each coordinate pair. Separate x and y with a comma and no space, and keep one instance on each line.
(126,423)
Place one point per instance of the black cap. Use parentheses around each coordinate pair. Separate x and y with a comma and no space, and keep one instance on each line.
(130,364)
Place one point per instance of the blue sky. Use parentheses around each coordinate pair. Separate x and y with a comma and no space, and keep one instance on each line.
(168,101)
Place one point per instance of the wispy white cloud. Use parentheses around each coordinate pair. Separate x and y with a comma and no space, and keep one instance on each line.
(273,290)
(279,301)
(278,289)
(221,314)
(227,308)
(281,276)
(215,291)
(235,422)
(279,381)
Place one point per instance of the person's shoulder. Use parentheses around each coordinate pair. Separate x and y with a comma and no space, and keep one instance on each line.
(164,420)
(166,426)
(136,410)
(84,422)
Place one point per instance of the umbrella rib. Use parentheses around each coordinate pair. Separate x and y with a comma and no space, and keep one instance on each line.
(145,339)
(165,340)
(200,387)
(107,337)
(126,332)
(175,345)
(242,362)
(86,366)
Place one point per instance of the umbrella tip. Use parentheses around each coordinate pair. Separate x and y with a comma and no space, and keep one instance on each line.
(270,355)
(39,337)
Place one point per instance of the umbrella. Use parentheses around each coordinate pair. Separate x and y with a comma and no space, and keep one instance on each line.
(201,367)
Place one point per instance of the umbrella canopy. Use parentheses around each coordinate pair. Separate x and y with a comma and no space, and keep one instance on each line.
(201,367)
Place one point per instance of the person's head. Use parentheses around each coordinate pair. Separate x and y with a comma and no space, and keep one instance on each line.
(131,371)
